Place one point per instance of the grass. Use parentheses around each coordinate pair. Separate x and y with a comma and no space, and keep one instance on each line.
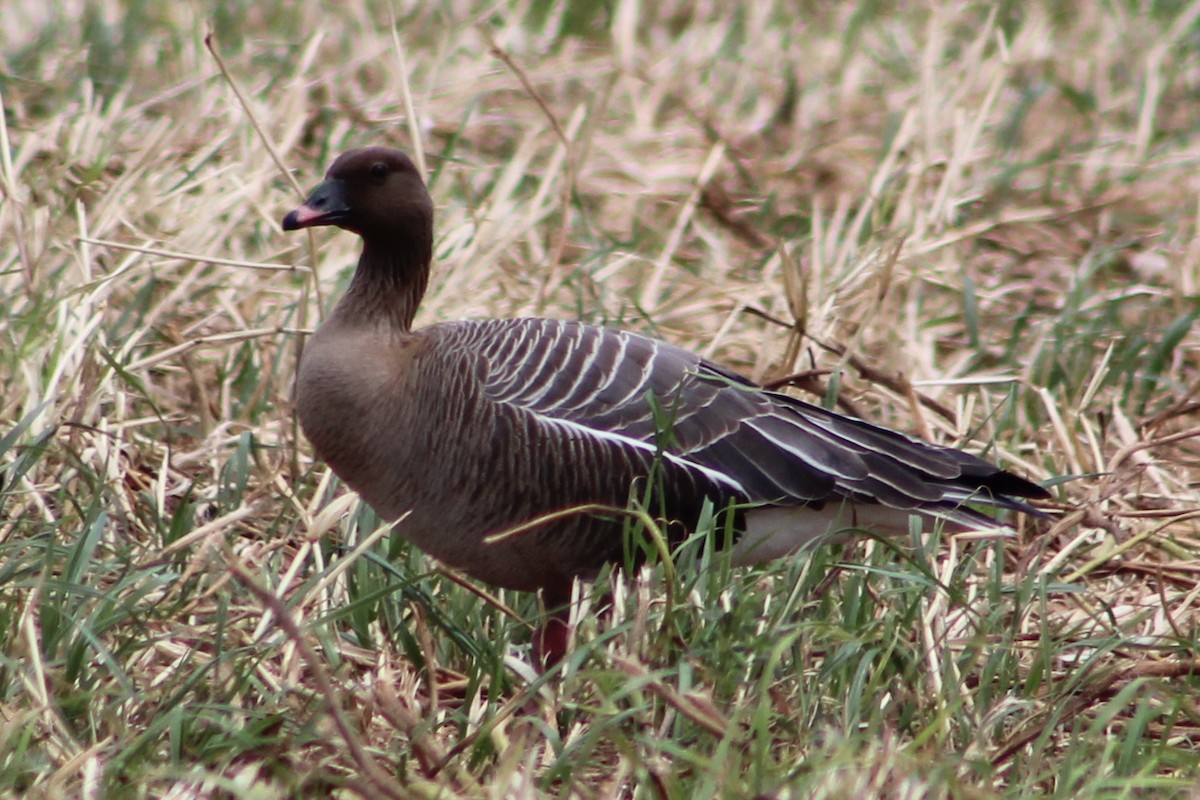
(977,223)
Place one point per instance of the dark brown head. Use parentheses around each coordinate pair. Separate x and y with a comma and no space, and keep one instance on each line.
(375,192)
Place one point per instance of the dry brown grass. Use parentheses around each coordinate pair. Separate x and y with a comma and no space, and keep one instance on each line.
(982,226)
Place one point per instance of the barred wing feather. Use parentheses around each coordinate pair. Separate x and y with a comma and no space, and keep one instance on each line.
(775,449)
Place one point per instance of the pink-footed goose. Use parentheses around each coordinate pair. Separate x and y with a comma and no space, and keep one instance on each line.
(474,428)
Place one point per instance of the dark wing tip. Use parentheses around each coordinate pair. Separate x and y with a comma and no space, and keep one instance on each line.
(1002,482)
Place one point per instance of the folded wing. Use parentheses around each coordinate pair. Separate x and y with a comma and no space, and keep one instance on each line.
(771,448)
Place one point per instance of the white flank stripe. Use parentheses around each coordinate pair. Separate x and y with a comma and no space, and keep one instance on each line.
(777,531)
(616,438)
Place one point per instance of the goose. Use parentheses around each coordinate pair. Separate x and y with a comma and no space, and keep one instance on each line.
(463,431)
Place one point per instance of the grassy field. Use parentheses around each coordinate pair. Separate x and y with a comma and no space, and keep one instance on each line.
(976,223)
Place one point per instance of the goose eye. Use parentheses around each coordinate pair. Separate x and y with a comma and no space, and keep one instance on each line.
(379,171)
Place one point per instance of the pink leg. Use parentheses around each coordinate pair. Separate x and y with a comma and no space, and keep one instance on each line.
(552,638)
